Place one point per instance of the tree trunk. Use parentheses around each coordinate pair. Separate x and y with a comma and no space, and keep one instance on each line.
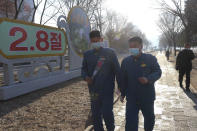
(34,13)
(174,48)
(41,17)
(17,9)
(187,35)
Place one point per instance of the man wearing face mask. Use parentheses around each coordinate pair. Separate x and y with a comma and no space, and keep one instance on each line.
(140,71)
(99,69)
(184,65)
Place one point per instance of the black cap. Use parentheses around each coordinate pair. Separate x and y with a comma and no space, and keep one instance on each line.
(136,39)
(94,33)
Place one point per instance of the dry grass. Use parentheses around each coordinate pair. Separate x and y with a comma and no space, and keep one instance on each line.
(63,106)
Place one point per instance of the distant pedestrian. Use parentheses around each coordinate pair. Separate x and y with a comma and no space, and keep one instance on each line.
(167,54)
(184,65)
(99,69)
(139,71)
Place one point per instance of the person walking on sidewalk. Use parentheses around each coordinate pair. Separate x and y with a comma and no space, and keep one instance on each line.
(99,69)
(184,65)
(167,54)
(139,72)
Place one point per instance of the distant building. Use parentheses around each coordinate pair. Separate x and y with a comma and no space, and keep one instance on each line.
(7,9)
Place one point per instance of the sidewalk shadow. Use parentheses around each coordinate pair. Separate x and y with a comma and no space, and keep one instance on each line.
(20,101)
(193,97)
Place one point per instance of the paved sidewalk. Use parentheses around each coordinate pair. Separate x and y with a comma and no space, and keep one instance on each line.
(175,109)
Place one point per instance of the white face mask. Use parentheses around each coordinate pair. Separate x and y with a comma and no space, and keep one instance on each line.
(134,51)
(96,45)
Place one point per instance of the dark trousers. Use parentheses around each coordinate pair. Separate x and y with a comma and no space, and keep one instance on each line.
(132,111)
(182,72)
(103,108)
(167,57)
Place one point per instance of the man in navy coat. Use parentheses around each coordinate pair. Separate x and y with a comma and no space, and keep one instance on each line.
(99,69)
(140,71)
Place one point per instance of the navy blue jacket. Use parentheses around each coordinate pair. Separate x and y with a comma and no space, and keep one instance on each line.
(145,66)
(104,81)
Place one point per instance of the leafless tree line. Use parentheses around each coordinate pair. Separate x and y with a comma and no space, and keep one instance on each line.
(47,10)
(176,23)
(113,26)
(118,30)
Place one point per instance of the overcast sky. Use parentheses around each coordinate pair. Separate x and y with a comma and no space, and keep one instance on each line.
(141,13)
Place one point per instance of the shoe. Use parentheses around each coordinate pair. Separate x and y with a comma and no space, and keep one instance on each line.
(188,90)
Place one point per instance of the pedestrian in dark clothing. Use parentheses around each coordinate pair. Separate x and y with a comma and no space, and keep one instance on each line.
(184,65)
(167,54)
(139,72)
(99,69)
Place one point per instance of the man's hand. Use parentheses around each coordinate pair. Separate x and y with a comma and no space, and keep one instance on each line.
(89,80)
(143,80)
(122,98)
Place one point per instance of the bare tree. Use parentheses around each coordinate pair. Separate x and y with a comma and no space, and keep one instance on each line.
(88,5)
(191,16)
(98,21)
(93,9)
(11,9)
(50,10)
(119,30)
(18,5)
(176,8)
(36,5)
(170,25)
(164,41)
(7,8)
(115,21)
(45,10)
(113,25)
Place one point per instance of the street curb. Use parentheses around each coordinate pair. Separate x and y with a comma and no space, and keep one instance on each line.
(90,127)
